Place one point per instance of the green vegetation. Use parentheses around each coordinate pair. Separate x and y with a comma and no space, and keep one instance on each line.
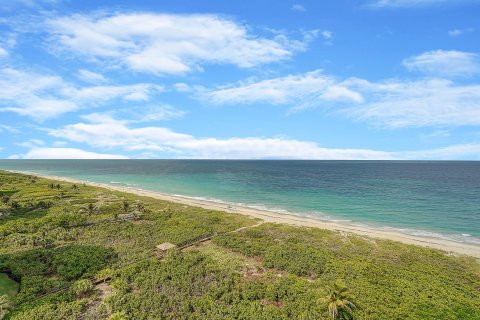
(339,300)
(96,247)
(8,286)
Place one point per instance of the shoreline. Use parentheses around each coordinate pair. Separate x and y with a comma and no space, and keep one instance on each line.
(289,219)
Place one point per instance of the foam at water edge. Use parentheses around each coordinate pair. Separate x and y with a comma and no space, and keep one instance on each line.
(462,238)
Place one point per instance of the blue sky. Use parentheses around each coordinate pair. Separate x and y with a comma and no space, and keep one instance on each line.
(346,79)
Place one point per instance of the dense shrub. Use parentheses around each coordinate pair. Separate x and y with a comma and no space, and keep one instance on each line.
(82,287)
(43,270)
(72,262)
(298,259)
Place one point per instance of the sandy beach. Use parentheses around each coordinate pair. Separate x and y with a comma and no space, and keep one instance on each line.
(273,217)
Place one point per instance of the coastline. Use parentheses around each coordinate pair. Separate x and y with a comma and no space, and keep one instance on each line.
(289,219)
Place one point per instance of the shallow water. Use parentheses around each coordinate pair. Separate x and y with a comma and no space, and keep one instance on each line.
(427,198)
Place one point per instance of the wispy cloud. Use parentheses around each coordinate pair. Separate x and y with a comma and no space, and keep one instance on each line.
(64,153)
(7,128)
(32,3)
(46,96)
(149,140)
(7,43)
(439,134)
(161,112)
(459,32)
(91,77)
(445,63)
(32,143)
(390,103)
(19,6)
(301,91)
(181,87)
(459,151)
(298,8)
(422,103)
(168,43)
(326,34)
(117,134)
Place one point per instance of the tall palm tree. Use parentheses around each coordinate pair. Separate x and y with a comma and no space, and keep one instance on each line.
(339,300)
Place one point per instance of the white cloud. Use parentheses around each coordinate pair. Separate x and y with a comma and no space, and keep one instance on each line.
(469,151)
(445,63)
(116,134)
(31,3)
(10,129)
(151,140)
(162,112)
(391,103)
(459,32)
(439,134)
(7,42)
(59,143)
(327,34)
(3,53)
(64,153)
(298,8)
(168,43)
(32,143)
(423,103)
(30,94)
(97,94)
(157,113)
(91,77)
(303,90)
(181,87)
(47,96)
(455,32)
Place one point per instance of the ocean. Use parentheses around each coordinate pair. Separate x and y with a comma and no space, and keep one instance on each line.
(439,199)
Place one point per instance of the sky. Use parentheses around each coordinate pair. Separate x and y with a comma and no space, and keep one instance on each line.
(264,79)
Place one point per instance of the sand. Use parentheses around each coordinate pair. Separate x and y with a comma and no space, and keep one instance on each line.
(449,246)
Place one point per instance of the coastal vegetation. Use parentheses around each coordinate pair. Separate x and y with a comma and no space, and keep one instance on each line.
(83,252)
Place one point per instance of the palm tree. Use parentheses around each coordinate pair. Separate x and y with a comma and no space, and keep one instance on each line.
(140,206)
(14,205)
(125,207)
(91,209)
(339,301)
(88,209)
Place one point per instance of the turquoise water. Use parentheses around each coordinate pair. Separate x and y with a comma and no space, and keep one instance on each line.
(437,199)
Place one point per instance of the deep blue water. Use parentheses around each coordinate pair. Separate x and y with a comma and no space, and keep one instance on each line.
(430,198)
